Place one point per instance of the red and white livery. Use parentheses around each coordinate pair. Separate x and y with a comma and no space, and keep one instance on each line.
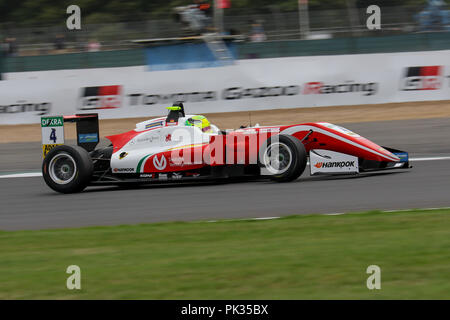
(166,149)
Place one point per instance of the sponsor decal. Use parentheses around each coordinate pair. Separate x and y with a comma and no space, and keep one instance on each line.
(52,133)
(47,147)
(232,93)
(168,138)
(403,156)
(317,87)
(123,169)
(177,161)
(103,97)
(163,176)
(148,175)
(23,106)
(192,174)
(52,122)
(235,93)
(141,99)
(340,164)
(153,125)
(161,163)
(326,161)
(422,78)
(87,137)
(147,139)
(123,155)
(177,176)
(172,123)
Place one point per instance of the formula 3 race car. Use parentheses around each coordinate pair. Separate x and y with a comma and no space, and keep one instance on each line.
(183,147)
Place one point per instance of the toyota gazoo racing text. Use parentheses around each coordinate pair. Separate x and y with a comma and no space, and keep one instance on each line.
(183,147)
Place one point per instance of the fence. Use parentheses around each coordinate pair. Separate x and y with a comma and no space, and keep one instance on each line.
(351,45)
(245,50)
(277,24)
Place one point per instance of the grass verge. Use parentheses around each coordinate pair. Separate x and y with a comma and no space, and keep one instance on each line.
(299,257)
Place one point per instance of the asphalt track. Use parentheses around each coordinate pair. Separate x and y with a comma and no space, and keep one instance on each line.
(27,203)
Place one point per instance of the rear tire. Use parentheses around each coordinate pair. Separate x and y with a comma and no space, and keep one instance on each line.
(67,169)
(284,156)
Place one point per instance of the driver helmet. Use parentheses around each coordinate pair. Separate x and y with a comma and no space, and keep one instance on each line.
(199,122)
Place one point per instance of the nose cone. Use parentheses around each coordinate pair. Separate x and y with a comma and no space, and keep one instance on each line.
(352,143)
(388,154)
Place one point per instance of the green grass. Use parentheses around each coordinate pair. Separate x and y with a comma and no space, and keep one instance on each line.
(299,257)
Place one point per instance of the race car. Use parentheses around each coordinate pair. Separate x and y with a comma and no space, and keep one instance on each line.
(183,147)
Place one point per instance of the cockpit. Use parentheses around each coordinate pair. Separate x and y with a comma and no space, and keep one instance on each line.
(177,115)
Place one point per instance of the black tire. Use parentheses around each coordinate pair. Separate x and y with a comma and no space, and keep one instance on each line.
(67,169)
(290,148)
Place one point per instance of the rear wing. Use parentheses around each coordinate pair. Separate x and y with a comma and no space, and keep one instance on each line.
(53,131)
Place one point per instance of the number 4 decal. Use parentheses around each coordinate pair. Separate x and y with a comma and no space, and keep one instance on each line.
(53,135)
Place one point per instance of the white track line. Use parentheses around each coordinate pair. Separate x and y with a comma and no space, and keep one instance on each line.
(243,219)
(39,174)
(422,209)
(328,214)
(387,211)
(21,175)
(430,159)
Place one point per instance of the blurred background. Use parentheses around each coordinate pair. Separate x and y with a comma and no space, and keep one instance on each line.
(260,28)
(399,98)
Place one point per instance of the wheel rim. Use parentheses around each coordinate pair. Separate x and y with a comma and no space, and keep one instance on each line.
(277,158)
(62,168)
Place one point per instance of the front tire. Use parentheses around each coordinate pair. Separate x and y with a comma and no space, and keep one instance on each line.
(284,156)
(67,169)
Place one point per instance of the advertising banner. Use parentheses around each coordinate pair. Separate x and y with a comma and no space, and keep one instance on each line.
(256,84)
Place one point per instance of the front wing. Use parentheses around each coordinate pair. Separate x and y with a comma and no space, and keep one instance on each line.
(331,162)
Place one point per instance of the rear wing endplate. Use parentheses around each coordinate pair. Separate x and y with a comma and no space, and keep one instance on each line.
(53,131)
